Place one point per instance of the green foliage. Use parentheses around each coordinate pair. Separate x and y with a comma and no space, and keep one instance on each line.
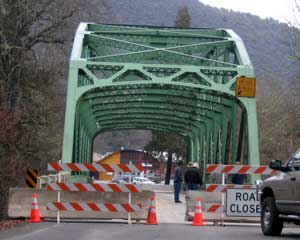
(183,18)
(167,142)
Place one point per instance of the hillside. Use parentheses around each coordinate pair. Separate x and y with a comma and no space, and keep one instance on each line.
(268,44)
(267,41)
(37,37)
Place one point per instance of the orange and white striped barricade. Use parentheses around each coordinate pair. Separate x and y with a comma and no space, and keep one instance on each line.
(213,208)
(95,167)
(93,207)
(240,169)
(223,188)
(231,169)
(94,187)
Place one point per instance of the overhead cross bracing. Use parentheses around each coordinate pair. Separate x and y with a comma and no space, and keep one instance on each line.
(160,78)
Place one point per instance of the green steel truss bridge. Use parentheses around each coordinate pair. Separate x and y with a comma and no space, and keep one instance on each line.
(160,78)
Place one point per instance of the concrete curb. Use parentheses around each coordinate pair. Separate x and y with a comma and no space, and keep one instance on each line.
(20,201)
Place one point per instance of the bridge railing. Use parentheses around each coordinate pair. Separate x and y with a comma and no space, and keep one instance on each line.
(42,181)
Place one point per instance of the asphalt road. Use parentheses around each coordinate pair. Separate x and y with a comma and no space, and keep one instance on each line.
(117,231)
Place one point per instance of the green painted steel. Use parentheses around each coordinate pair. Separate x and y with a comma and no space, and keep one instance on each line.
(166,79)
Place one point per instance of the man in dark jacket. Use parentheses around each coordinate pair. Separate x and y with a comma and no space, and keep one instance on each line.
(238,178)
(177,182)
(192,177)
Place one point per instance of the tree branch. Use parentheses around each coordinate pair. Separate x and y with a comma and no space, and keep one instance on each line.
(42,35)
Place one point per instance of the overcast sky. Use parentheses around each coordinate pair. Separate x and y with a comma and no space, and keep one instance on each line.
(281,10)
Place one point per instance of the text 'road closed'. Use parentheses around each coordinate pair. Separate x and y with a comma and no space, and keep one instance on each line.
(242,202)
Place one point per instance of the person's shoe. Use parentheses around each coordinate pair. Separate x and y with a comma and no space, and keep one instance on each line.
(178,202)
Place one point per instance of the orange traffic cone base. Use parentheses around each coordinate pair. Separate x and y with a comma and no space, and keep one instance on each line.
(35,216)
(198,217)
(35,212)
(151,219)
(35,221)
(198,220)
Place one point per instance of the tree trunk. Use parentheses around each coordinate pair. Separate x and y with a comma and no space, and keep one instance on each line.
(169,166)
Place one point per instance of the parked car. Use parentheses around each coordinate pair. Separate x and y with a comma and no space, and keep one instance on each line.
(142,180)
(280,196)
(156,178)
(121,179)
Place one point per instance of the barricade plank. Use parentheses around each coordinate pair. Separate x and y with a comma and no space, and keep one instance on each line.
(213,207)
(94,187)
(240,169)
(95,167)
(223,188)
(90,206)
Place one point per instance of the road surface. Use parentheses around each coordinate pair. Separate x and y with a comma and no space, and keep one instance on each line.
(117,231)
(171,226)
(167,211)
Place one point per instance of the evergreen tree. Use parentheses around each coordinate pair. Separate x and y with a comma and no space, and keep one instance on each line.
(172,143)
(183,18)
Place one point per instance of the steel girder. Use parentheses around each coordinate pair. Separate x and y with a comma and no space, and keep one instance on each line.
(166,79)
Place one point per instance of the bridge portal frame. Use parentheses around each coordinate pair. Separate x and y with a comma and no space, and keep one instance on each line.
(161,78)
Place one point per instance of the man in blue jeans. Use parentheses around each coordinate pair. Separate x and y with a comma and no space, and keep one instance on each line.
(193,181)
(178,181)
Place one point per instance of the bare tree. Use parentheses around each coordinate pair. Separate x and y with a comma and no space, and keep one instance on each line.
(27,102)
(24,25)
(295,33)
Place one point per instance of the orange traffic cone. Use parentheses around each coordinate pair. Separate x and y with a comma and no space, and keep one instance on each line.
(198,217)
(35,212)
(151,220)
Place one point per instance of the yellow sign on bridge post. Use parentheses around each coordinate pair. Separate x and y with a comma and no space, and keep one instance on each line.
(245,87)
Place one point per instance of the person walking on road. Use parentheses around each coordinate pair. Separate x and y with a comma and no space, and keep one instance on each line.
(178,181)
(192,177)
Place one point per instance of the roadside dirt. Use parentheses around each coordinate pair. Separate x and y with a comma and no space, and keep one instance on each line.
(10,223)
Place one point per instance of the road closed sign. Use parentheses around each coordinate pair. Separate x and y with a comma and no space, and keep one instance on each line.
(242,203)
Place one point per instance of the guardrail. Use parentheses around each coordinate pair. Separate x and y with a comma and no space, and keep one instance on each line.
(42,181)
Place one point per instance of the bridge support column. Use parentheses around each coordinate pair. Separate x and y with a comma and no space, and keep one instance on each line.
(67,153)
(192,148)
(196,152)
(250,105)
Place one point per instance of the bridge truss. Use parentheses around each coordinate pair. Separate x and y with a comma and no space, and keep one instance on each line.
(157,78)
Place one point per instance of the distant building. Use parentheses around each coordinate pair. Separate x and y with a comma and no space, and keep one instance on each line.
(97,157)
(149,163)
